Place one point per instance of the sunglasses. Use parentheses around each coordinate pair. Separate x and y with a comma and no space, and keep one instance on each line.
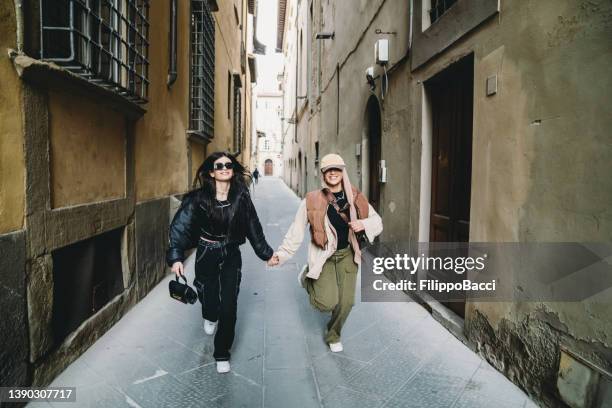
(220,166)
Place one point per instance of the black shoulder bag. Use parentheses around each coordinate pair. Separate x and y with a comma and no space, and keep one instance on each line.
(182,291)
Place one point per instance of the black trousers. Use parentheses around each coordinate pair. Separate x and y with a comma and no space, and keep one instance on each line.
(218,274)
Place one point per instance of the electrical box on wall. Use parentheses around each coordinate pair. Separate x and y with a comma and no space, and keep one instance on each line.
(382,176)
(381,51)
(492,85)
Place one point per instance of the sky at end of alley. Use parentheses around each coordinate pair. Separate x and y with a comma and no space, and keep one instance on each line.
(271,64)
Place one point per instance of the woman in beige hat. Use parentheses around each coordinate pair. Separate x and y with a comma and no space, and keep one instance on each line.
(338,215)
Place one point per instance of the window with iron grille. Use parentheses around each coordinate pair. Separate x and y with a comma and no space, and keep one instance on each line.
(439,7)
(237,116)
(104,41)
(202,105)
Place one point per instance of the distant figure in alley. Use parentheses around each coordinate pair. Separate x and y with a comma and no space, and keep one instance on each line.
(340,220)
(256,175)
(216,217)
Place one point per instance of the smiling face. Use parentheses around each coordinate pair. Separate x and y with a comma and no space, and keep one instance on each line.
(221,172)
(333,177)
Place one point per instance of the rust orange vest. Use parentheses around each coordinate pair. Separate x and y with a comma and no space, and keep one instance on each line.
(316,208)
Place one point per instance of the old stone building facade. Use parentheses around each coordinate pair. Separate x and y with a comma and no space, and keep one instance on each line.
(106,111)
(499,89)
(268,109)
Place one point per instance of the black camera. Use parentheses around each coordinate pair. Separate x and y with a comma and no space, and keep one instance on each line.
(182,291)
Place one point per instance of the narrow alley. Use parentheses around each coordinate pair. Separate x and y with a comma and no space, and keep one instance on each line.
(396,354)
(475,131)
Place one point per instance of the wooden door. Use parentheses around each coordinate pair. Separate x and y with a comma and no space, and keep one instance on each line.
(268,167)
(374,152)
(451,95)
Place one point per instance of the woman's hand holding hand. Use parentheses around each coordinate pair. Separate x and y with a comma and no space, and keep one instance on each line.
(178,269)
(356,226)
(273,261)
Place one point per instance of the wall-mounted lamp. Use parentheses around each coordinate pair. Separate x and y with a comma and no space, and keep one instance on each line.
(325,36)
(370,78)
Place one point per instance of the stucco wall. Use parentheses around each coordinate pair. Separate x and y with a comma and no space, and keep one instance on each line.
(160,142)
(545,132)
(543,119)
(540,152)
(342,112)
(98,151)
(12,167)
(288,89)
(247,107)
(397,198)
(13,327)
(160,135)
(245,155)
(227,60)
(198,154)
(87,151)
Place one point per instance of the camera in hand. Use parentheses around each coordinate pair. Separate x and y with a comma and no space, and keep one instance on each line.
(182,291)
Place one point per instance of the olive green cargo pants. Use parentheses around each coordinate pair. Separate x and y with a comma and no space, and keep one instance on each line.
(334,291)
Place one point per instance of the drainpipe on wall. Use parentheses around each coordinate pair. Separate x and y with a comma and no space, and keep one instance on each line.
(239,149)
(320,63)
(237,82)
(411,24)
(297,78)
(19,22)
(172,67)
(337,101)
(407,54)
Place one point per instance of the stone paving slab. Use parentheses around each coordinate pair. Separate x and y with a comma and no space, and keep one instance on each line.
(396,354)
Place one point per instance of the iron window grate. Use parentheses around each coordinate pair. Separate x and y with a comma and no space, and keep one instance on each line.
(202,104)
(439,7)
(104,41)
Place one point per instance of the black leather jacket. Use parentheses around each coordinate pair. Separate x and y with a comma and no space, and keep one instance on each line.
(188,222)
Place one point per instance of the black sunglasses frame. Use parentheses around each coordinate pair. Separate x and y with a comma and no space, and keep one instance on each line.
(221,166)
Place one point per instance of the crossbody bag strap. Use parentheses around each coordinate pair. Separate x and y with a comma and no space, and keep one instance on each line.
(331,199)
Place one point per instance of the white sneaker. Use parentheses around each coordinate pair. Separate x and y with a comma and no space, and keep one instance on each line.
(336,347)
(223,367)
(302,276)
(209,327)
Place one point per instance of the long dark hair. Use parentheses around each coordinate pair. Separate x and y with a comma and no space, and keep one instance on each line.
(206,190)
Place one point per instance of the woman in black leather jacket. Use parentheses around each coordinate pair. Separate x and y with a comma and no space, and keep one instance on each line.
(216,218)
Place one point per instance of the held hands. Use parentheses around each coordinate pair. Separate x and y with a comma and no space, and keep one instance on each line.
(356,226)
(178,269)
(274,260)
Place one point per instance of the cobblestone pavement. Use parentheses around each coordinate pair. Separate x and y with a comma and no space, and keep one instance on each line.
(396,354)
